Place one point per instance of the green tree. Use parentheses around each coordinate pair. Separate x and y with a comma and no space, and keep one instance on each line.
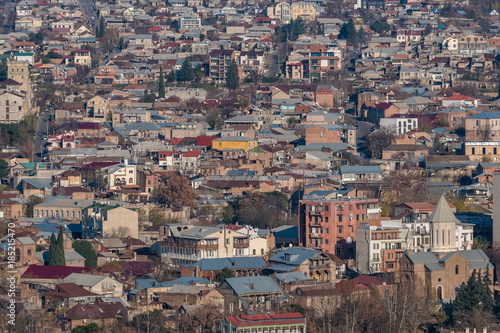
(226,273)
(3,70)
(381,27)
(348,32)
(86,250)
(90,328)
(233,78)
(55,256)
(186,73)
(148,98)
(32,202)
(161,85)
(102,28)
(171,77)
(4,169)
(60,245)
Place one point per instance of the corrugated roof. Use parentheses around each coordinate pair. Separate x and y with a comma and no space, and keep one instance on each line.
(294,255)
(232,263)
(348,169)
(291,277)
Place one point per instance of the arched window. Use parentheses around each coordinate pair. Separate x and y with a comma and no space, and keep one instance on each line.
(456,269)
(440,292)
(29,252)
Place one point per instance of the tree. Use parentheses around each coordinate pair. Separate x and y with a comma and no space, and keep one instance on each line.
(148,98)
(175,191)
(86,250)
(4,169)
(171,76)
(3,70)
(150,322)
(405,185)
(186,73)
(379,140)
(381,27)
(102,28)
(233,78)
(90,328)
(60,244)
(161,85)
(55,256)
(348,32)
(32,202)
(474,301)
(226,273)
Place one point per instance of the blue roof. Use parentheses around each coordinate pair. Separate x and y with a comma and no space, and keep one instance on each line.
(486,115)
(291,277)
(146,283)
(294,256)
(219,264)
(282,268)
(439,130)
(186,281)
(253,285)
(52,227)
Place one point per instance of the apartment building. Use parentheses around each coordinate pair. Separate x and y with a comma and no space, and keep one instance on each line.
(304,10)
(187,244)
(220,60)
(279,10)
(82,57)
(484,126)
(189,23)
(378,249)
(186,162)
(330,224)
(324,60)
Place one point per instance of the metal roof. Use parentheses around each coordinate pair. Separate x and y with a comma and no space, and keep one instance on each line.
(348,169)
(253,285)
(291,277)
(219,264)
(294,255)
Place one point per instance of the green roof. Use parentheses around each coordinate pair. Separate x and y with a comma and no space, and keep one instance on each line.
(258,149)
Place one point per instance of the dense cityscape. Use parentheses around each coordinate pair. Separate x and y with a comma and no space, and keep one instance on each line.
(313,166)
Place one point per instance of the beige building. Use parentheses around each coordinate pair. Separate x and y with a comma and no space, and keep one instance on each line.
(482,151)
(304,10)
(120,175)
(83,58)
(97,284)
(70,209)
(109,221)
(13,107)
(96,109)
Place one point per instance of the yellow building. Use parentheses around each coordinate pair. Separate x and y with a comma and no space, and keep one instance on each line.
(82,57)
(304,10)
(234,142)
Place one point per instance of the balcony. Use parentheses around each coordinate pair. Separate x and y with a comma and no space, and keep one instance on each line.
(192,246)
(241,245)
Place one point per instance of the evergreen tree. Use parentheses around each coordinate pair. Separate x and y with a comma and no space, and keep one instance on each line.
(102,27)
(469,295)
(60,245)
(171,77)
(348,32)
(86,250)
(161,85)
(233,78)
(55,257)
(226,273)
(186,73)
(487,295)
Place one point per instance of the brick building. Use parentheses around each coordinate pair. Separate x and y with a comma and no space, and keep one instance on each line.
(330,224)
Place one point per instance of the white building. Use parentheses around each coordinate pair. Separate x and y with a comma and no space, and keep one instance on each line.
(399,125)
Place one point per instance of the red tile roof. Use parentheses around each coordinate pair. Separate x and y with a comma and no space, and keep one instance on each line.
(52,272)
(459,98)
(205,141)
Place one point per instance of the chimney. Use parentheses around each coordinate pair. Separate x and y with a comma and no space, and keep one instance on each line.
(251,286)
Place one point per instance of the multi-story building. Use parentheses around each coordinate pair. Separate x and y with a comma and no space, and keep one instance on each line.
(378,249)
(304,10)
(123,174)
(279,10)
(220,60)
(83,58)
(187,244)
(483,126)
(400,124)
(189,22)
(69,209)
(13,107)
(330,224)
(186,162)
(109,221)
(472,44)
(288,322)
(324,60)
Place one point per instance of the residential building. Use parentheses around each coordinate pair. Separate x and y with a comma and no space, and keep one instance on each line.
(186,162)
(472,45)
(218,67)
(209,268)
(187,244)
(83,58)
(361,173)
(288,322)
(13,107)
(484,126)
(378,249)
(478,150)
(304,10)
(189,23)
(324,60)
(234,142)
(121,175)
(330,224)
(279,10)
(104,221)
(400,125)
(61,208)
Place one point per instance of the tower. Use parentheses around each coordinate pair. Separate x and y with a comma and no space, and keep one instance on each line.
(19,71)
(443,228)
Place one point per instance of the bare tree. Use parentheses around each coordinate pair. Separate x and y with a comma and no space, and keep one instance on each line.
(378,140)
(483,132)
(119,232)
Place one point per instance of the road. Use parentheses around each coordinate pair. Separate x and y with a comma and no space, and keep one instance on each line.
(41,131)
(8,13)
(88,9)
(274,60)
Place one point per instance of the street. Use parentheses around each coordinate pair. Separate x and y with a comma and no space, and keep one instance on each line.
(274,60)
(88,9)
(9,15)
(41,131)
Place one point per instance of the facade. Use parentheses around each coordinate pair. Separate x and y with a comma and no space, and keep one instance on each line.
(324,60)
(189,22)
(379,249)
(187,244)
(220,60)
(186,162)
(478,150)
(62,208)
(280,10)
(104,221)
(399,125)
(288,322)
(443,275)
(83,58)
(234,142)
(330,225)
(13,107)
(304,10)
(483,126)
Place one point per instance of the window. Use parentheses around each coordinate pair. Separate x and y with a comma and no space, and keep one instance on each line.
(340,230)
(326,208)
(473,151)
